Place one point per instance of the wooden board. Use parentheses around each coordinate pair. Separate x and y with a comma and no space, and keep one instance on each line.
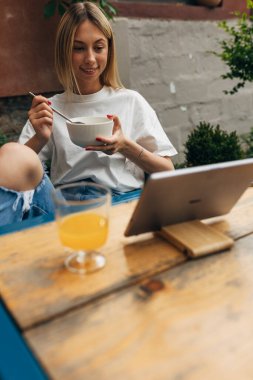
(196,325)
(195,238)
(36,286)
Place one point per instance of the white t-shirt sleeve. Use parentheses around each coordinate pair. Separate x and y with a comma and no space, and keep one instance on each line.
(148,130)
(28,132)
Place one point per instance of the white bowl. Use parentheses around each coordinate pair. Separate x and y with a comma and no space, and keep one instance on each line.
(85,134)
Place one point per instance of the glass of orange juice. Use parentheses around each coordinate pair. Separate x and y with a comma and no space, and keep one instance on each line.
(82,218)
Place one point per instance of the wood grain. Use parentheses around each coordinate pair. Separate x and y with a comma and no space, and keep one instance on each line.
(196,238)
(36,286)
(198,325)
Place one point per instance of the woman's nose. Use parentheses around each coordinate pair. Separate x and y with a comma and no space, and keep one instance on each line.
(90,57)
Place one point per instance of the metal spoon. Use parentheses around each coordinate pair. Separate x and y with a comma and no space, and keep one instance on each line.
(61,114)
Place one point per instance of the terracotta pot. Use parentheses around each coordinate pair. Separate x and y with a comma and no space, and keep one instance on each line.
(209,3)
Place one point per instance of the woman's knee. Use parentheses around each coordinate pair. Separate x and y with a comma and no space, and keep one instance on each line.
(20,167)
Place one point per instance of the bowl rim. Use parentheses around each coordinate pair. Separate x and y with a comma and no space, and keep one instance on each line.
(106,120)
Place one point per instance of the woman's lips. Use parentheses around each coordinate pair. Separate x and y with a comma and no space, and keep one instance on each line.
(89,71)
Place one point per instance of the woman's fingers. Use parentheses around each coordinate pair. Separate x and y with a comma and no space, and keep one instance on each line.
(107,141)
(109,145)
(116,122)
(40,110)
(41,114)
(106,148)
(38,100)
(116,125)
(41,117)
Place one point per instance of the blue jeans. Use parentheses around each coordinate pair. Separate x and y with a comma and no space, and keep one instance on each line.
(36,206)
(117,196)
(16,206)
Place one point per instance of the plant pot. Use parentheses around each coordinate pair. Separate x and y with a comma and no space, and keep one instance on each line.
(209,3)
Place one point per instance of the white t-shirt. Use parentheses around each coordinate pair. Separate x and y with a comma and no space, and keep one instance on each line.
(70,163)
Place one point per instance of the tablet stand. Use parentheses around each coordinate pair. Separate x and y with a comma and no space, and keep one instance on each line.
(196,238)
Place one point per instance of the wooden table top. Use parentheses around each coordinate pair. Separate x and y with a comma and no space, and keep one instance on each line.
(151,313)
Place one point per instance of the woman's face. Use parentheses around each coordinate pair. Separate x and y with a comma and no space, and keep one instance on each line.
(89,57)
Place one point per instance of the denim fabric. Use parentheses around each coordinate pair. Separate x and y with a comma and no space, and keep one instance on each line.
(17,206)
(118,198)
(82,193)
(33,205)
(87,193)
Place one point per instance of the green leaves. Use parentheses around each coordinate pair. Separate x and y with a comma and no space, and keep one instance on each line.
(108,9)
(61,6)
(248,143)
(208,144)
(237,51)
(3,138)
(49,8)
(249,4)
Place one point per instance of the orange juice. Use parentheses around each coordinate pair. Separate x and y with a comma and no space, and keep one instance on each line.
(83,231)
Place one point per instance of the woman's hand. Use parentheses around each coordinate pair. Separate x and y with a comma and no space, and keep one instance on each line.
(112,144)
(41,118)
(147,161)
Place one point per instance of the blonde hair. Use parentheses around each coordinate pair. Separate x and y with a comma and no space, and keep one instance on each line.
(70,21)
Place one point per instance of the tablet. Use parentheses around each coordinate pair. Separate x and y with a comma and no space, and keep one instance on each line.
(192,193)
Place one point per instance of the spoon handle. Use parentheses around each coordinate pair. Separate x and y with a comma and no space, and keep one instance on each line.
(56,111)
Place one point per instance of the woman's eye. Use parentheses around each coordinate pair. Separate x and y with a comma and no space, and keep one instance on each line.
(78,48)
(99,48)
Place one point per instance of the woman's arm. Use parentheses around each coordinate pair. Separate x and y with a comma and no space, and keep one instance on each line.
(147,161)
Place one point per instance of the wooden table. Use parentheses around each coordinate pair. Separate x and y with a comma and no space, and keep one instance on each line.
(151,313)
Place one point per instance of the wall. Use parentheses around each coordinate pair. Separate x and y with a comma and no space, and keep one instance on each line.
(26,41)
(26,60)
(171,65)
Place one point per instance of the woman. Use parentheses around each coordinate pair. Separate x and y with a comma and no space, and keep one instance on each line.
(87,69)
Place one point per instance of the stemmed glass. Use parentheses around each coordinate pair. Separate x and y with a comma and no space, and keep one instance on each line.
(82,218)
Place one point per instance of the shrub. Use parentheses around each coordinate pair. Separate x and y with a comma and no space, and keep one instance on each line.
(3,138)
(208,144)
(247,140)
